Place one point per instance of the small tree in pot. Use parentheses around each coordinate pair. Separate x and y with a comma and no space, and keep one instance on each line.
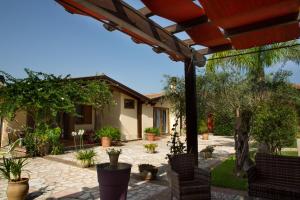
(107,135)
(113,156)
(11,169)
(147,171)
(152,132)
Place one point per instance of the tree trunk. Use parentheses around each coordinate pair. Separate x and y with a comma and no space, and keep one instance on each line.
(241,138)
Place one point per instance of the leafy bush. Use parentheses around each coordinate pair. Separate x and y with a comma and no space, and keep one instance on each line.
(111,132)
(11,169)
(202,127)
(275,125)
(224,124)
(150,147)
(112,151)
(86,155)
(152,130)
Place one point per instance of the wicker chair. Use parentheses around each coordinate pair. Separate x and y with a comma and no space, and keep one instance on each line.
(187,182)
(275,177)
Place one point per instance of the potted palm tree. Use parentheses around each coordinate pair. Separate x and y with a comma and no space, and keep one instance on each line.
(113,156)
(11,169)
(152,132)
(107,135)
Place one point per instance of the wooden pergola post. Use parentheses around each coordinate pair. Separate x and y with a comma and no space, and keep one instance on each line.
(191,108)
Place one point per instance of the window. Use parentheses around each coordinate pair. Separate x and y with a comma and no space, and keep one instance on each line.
(86,114)
(129,103)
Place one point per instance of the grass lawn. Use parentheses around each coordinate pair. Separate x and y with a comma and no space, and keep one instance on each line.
(223,176)
(289,153)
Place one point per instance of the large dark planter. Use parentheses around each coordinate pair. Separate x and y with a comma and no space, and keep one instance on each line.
(113,181)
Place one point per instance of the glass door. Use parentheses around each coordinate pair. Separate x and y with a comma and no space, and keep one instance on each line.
(160,119)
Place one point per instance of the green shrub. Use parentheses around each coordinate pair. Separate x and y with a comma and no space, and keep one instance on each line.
(202,127)
(151,147)
(152,130)
(110,132)
(224,124)
(275,125)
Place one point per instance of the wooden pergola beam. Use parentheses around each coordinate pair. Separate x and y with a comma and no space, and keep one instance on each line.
(146,12)
(134,23)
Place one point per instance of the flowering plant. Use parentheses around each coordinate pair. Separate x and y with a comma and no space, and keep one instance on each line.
(78,135)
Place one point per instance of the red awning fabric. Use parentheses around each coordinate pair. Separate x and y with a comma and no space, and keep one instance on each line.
(175,10)
(245,22)
(207,35)
(234,13)
(266,36)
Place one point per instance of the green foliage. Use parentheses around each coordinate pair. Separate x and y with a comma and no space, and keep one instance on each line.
(275,124)
(111,132)
(86,155)
(43,135)
(224,124)
(175,145)
(151,148)
(226,171)
(153,130)
(202,127)
(112,151)
(12,169)
(44,96)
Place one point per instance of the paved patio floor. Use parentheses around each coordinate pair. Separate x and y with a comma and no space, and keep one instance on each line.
(59,177)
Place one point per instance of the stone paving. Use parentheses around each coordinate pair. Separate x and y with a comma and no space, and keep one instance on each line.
(59,177)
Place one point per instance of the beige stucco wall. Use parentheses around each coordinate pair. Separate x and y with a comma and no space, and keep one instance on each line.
(147,115)
(128,119)
(18,124)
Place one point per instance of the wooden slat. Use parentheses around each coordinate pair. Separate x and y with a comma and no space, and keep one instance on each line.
(129,19)
(146,12)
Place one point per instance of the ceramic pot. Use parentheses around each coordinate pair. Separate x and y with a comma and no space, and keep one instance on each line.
(85,163)
(205,136)
(17,190)
(113,158)
(113,182)
(106,141)
(151,136)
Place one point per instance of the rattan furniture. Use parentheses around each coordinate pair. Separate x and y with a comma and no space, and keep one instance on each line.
(275,177)
(187,182)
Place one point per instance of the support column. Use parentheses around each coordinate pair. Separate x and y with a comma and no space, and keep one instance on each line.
(191,109)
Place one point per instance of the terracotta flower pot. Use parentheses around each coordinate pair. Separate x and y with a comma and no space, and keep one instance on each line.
(106,141)
(151,136)
(85,163)
(204,136)
(17,190)
(157,137)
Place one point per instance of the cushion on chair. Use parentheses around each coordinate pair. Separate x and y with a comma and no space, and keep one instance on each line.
(183,164)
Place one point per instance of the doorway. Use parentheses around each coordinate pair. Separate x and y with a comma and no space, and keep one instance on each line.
(161,119)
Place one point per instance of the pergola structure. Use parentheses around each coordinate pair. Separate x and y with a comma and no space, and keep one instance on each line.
(217,25)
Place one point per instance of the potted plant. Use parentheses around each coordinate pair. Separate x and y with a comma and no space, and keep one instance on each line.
(113,177)
(207,151)
(150,147)
(107,134)
(147,171)
(11,169)
(113,156)
(203,130)
(86,157)
(152,132)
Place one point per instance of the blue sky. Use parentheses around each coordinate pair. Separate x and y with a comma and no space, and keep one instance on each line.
(41,36)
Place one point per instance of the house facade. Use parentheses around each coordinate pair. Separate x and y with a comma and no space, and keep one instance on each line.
(131,112)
